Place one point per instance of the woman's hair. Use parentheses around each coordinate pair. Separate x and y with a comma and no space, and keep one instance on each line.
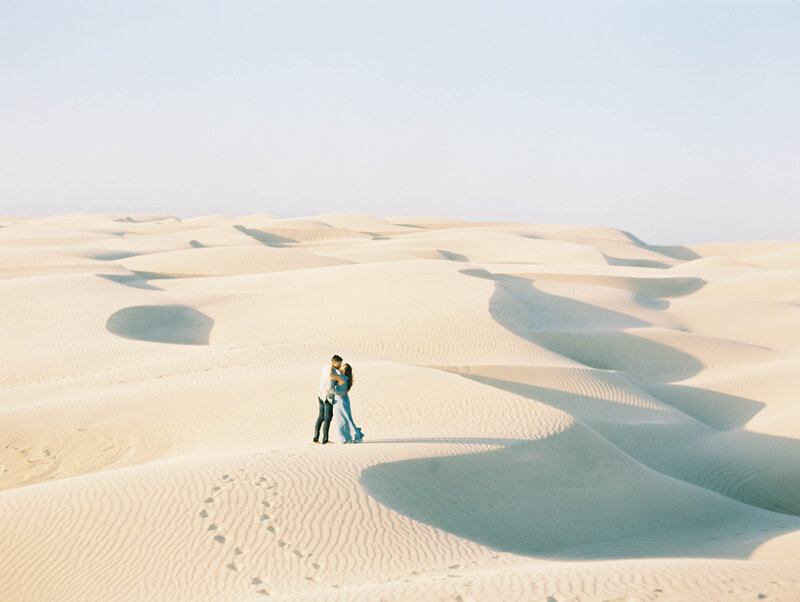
(348,372)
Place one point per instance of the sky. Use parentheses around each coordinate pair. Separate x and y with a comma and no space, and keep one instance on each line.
(675,120)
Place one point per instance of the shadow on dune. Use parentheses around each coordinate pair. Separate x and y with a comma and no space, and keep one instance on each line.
(753,468)
(606,488)
(114,255)
(413,226)
(265,238)
(132,280)
(717,411)
(756,469)
(155,275)
(179,324)
(656,288)
(452,256)
(720,411)
(375,236)
(675,251)
(519,307)
(614,349)
(588,334)
(571,495)
(636,263)
(593,337)
(138,279)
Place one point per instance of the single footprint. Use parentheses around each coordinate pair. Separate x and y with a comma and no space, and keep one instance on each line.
(256,581)
(297,553)
(313,578)
(265,517)
(315,566)
(235,566)
(271,528)
(209,500)
(218,488)
(220,538)
(265,503)
(241,550)
(264,592)
(454,566)
(205,513)
(283,544)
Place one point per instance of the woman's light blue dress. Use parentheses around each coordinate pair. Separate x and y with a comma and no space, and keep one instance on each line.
(343,417)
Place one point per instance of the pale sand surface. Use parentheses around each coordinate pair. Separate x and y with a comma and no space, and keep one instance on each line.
(551,412)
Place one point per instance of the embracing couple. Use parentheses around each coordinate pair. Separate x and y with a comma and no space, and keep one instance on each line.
(334,403)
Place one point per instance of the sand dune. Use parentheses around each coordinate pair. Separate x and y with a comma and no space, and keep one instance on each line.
(551,412)
(215,261)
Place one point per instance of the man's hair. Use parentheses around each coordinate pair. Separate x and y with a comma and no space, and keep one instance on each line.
(336,358)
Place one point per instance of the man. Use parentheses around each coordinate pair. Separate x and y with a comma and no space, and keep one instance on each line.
(325,397)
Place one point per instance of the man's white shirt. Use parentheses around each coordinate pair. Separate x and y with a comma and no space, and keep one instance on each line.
(325,382)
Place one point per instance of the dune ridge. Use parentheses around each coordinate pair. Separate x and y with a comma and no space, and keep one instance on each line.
(552,412)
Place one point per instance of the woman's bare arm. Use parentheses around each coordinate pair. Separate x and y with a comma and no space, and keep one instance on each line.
(339,380)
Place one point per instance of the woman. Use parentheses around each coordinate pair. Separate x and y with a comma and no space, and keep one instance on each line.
(342,416)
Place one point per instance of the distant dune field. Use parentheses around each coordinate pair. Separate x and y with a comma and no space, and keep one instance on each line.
(551,412)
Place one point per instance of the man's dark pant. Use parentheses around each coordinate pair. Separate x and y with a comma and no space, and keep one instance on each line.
(324,420)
